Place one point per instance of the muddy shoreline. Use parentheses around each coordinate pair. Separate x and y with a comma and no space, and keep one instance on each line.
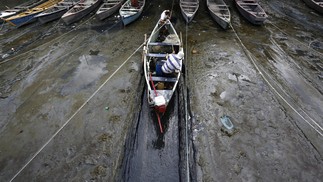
(267,79)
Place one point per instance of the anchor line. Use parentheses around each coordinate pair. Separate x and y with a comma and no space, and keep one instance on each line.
(308,46)
(185,104)
(319,129)
(75,113)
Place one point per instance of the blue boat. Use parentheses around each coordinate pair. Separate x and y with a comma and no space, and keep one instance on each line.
(28,16)
(18,9)
(131,10)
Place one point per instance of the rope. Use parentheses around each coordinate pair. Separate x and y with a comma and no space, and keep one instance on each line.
(152,83)
(2,25)
(308,46)
(156,94)
(186,115)
(171,10)
(250,56)
(76,112)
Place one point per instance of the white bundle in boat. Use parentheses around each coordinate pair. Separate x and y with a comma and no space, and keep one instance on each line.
(171,39)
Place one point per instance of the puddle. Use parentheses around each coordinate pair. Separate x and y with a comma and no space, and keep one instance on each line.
(90,69)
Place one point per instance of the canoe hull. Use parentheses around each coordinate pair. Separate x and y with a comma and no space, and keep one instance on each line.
(28,16)
(189,9)
(18,22)
(18,9)
(52,16)
(220,12)
(129,13)
(70,17)
(129,19)
(105,14)
(154,54)
(225,24)
(313,5)
(253,13)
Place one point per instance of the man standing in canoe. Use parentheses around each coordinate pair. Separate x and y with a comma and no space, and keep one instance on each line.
(164,16)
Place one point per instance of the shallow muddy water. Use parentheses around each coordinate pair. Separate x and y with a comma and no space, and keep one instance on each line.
(66,115)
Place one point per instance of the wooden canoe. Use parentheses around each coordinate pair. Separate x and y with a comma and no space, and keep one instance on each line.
(189,9)
(315,4)
(81,9)
(18,9)
(219,12)
(130,12)
(108,8)
(252,11)
(56,11)
(28,15)
(160,87)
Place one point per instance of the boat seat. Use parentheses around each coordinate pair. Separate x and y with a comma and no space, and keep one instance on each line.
(188,6)
(190,3)
(261,13)
(130,9)
(157,55)
(163,79)
(162,44)
(248,3)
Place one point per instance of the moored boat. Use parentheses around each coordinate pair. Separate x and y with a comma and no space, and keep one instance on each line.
(108,8)
(131,10)
(219,12)
(162,42)
(315,4)
(252,11)
(79,10)
(18,9)
(27,16)
(56,11)
(189,9)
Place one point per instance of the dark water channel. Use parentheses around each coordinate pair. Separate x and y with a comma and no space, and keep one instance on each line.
(152,156)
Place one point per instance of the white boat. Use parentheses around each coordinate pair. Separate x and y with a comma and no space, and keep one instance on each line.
(81,9)
(160,86)
(219,12)
(56,11)
(131,10)
(108,8)
(189,9)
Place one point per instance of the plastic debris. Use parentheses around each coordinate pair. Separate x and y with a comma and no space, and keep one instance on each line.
(225,120)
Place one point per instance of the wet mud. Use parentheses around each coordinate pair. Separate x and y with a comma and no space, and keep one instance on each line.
(72,111)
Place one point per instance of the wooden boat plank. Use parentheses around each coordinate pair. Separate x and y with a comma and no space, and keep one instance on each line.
(163,79)
(131,9)
(194,3)
(157,55)
(249,4)
(161,44)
